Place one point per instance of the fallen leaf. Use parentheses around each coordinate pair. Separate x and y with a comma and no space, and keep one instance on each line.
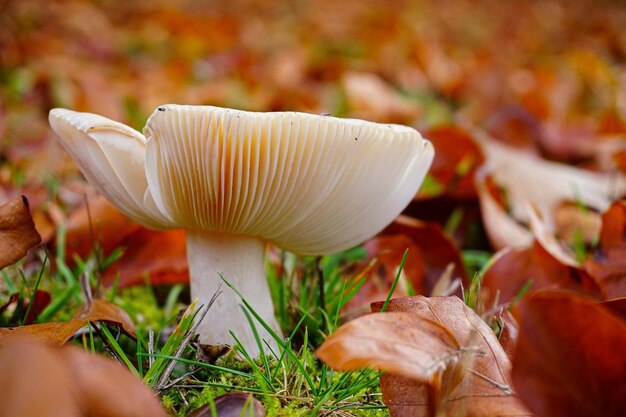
(548,240)
(39,380)
(17,231)
(607,265)
(485,389)
(234,404)
(513,271)
(569,359)
(384,255)
(101,310)
(57,333)
(509,332)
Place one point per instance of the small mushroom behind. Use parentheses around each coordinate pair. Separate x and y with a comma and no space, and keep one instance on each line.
(235,180)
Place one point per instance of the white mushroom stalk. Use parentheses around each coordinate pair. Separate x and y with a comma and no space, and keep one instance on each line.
(309,184)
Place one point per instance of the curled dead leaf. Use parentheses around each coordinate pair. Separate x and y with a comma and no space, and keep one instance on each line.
(527,178)
(484,388)
(57,333)
(399,343)
(17,231)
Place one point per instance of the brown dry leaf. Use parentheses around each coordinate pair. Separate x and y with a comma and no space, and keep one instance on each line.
(101,310)
(608,263)
(234,404)
(38,380)
(17,231)
(403,344)
(381,267)
(57,333)
(569,359)
(515,270)
(484,391)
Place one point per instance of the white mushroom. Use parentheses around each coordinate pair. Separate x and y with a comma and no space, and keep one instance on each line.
(235,179)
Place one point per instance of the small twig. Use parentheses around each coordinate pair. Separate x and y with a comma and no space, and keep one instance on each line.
(150,348)
(320,282)
(199,317)
(180,378)
(85,285)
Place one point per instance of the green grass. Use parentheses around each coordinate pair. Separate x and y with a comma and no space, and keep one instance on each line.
(309,295)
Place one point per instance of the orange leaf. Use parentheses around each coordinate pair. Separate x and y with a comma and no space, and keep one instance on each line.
(569,359)
(17,231)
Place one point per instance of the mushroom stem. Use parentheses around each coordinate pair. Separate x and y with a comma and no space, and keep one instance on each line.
(239,259)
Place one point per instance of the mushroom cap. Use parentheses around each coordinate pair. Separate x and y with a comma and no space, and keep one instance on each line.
(308,183)
(111,156)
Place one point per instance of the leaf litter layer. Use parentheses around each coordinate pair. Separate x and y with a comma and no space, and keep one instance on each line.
(544,78)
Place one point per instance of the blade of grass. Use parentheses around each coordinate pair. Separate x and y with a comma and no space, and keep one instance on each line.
(32,298)
(395,281)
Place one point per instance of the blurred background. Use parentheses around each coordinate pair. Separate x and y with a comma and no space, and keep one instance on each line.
(545,76)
